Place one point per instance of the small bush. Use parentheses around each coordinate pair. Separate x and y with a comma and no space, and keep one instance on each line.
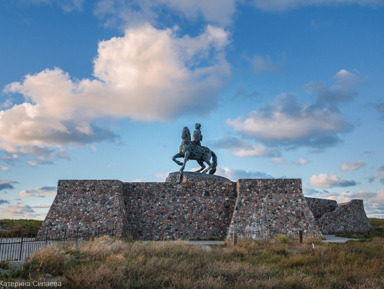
(282,239)
(50,260)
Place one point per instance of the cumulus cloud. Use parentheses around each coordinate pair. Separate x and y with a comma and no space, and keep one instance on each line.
(4,185)
(352,166)
(283,5)
(242,148)
(329,181)
(343,90)
(146,75)
(20,209)
(379,175)
(128,12)
(286,122)
(38,192)
(4,169)
(234,174)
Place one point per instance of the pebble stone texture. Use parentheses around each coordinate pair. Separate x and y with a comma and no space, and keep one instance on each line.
(347,217)
(199,207)
(321,206)
(86,204)
(266,208)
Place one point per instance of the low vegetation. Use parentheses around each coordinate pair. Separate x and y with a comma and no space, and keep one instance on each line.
(14,228)
(280,263)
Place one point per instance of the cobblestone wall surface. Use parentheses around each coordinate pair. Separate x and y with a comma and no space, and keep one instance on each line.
(347,217)
(197,208)
(86,204)
(266,208)
(321,206)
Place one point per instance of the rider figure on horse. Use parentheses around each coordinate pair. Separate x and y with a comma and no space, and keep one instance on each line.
(197,137)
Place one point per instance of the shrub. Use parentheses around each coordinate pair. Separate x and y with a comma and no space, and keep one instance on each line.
(282,239)
(50,260)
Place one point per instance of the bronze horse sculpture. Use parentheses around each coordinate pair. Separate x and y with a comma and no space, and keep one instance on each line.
(190,151)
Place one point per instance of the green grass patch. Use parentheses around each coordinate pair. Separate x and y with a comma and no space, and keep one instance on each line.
(13,228)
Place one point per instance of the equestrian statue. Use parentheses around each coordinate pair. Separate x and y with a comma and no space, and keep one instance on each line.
(192,150)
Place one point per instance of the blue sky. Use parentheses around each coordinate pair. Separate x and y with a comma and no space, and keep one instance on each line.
(102,89)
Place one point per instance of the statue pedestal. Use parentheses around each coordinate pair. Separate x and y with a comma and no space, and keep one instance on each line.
(194,177)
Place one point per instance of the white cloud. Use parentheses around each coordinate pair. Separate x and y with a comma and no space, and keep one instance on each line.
(303,125)
(38,192)
(41,206)
(127,12)
(32,163)
(20,209)
(4,169)
(352,166)
(146,75)
(161,176)
(283,5)
(286,122)
(242,148)
(299,162)
(343,90)
(277,160)
(329,181)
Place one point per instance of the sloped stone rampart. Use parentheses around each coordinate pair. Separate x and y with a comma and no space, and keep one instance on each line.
(321,206)
(86,204)
(347,217)
(266,208)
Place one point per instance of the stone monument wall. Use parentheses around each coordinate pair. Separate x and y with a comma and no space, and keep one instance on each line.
(266,208)
(86,204)
(347,217)
(195,207)
(321,206)
(188,210)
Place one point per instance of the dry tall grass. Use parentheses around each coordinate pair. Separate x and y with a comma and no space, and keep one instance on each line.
(112,263)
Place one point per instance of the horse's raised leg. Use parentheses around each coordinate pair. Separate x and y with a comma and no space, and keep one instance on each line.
(201,163)
(175,157)
(186,157)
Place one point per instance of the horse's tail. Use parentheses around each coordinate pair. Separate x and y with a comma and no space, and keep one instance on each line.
(214,163)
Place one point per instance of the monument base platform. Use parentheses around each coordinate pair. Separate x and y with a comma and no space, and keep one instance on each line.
(200,207)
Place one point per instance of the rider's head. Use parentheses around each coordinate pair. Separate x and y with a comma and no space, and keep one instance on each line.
(197,126)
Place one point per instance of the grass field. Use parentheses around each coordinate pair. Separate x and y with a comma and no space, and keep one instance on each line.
(13,228)
(280,263)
